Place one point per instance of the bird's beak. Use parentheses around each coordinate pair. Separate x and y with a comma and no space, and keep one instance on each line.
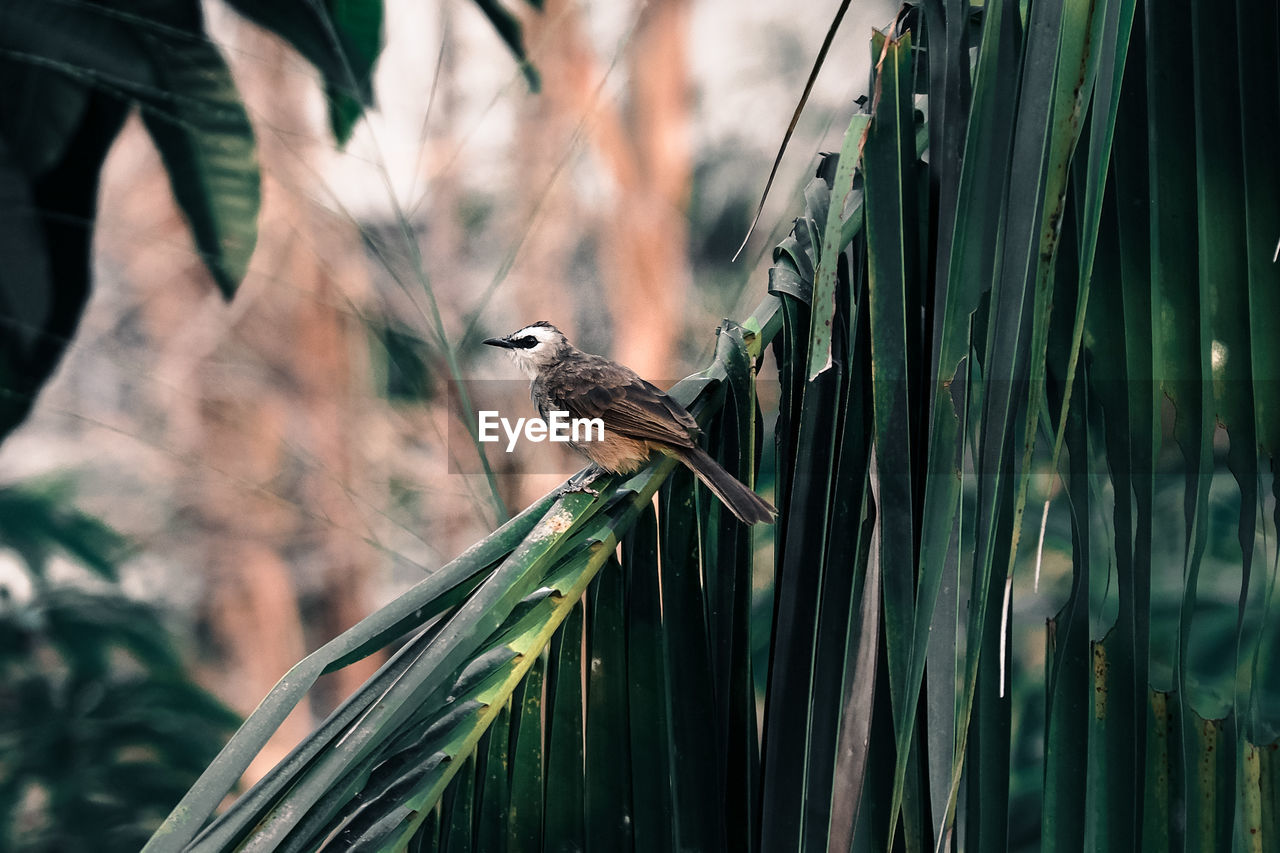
(499,342)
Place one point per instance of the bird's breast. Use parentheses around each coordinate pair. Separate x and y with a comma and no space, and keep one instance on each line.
(616,454)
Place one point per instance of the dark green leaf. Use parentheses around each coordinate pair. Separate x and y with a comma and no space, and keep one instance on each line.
(358,24)
(458,811)
(510,31)
(494,793)
(524,820)
(893,271)
(199,126)
(65,198)
(609,814)
(563,821)
(651,769)
(341,38)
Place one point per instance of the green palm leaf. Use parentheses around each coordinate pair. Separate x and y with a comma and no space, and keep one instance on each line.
(1073,234)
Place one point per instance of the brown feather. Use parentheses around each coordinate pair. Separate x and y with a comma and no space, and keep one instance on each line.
(630,407)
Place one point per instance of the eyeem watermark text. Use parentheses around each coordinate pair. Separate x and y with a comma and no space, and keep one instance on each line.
(559,426)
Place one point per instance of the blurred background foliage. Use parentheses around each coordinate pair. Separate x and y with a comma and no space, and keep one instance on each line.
(101,726)
(281,463)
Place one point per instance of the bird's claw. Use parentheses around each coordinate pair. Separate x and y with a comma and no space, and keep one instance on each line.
(581,483)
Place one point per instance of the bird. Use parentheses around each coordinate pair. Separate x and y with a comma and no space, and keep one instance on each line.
(639,418)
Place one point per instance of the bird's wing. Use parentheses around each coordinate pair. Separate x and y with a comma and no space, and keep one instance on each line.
(627,404)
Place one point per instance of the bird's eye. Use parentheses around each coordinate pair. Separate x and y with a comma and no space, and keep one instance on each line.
(526,342)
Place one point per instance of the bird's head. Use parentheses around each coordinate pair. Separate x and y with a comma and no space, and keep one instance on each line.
(534,346)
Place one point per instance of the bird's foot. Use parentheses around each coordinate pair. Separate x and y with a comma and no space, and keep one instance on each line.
(581,482)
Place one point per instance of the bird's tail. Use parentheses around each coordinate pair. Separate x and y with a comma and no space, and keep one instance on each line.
(749,507)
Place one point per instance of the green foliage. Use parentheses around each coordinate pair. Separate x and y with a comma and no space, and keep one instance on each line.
(76,69)
(401,363)
(341,38)
(509,30)
(100,729)
(72,70)
(1006,280)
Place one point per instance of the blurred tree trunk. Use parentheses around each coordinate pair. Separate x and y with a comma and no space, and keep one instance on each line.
(647,154)
(647,238)
(263,394)
(549,207)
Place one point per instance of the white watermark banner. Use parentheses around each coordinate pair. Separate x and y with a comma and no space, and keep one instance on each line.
(497,417)
(559,426)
